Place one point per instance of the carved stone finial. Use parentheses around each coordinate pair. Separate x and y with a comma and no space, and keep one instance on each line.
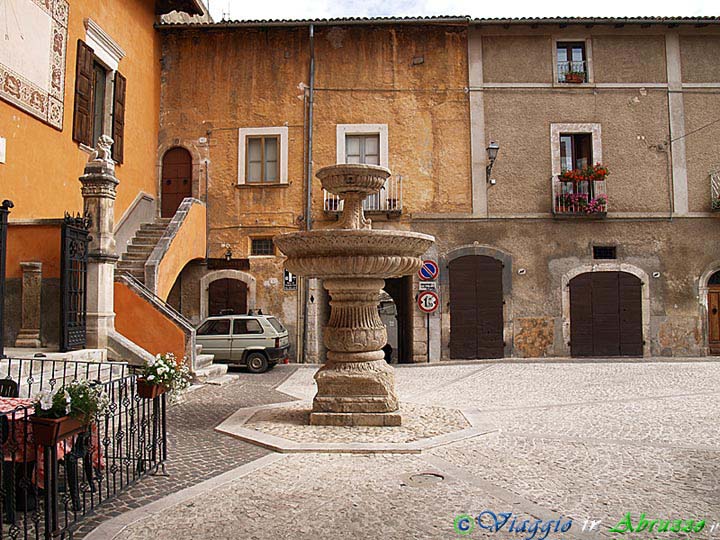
(102,151)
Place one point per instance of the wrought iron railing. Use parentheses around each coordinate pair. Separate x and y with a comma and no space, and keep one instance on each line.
(388,200)
(575,72)
(582,198)
(715,189)
(47,489)
(4,211)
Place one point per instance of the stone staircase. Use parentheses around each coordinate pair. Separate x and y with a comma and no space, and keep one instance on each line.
(133,262)
(209,373)
(140,247)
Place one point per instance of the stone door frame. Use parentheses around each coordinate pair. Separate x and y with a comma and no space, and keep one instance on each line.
(208,278)
(703,290)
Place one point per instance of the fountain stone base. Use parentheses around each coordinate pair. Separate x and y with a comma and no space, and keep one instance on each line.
(356,387)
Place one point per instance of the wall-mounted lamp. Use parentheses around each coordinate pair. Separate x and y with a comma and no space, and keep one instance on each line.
(228,251)
(492,152)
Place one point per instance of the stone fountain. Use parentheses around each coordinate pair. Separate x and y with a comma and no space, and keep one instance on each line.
(356,387)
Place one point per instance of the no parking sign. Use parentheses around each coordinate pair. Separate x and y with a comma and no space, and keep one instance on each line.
(429,270)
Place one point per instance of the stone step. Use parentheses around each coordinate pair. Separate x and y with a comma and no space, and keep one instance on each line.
(213,371)
(157,235)
(144,241)
(140,257)
(147,249)
(203,360)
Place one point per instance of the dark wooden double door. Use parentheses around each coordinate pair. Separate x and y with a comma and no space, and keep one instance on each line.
(606,315)
(227,297)
(476,307)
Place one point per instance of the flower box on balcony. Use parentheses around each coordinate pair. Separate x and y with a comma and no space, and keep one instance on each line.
(49,431)
(715,205)
(575,77)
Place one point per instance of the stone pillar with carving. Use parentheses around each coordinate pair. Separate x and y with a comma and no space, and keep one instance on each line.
(29,335)
(99,188)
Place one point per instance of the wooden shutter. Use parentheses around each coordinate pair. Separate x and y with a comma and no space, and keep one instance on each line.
(118,122)
(82,113)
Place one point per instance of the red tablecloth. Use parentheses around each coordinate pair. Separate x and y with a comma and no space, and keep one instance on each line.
(20,446)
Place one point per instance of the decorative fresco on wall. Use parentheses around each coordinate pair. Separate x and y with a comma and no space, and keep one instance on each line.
(33,46)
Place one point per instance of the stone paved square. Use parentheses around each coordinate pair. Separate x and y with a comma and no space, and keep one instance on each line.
(572,440)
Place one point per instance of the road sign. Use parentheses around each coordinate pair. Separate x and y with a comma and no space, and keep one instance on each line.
(427,285)
(428,302)
(289,281)
(429,270)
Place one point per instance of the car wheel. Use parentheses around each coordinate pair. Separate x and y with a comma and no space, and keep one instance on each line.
(257,363)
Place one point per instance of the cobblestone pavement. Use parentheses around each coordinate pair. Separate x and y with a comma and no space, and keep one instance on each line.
(582,441)
(195,451)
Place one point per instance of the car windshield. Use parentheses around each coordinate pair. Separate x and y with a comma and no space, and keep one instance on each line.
(277,325)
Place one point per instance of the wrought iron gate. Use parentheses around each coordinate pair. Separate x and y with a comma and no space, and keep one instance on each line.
(73,279)
(4,211)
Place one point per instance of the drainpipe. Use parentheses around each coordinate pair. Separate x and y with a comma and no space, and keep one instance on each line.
(308,181)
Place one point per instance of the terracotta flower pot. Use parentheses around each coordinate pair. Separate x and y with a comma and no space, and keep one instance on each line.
(148,390)
(575,78)
(49,431)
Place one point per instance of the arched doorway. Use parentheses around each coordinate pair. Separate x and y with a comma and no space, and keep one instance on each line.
(227,296)
(176,180)
(606,316)
(476,307)
(713,304)
(400,336)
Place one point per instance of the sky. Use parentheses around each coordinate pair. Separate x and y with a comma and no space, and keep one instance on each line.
(316,9)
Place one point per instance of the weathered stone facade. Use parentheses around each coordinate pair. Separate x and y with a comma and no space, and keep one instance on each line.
(437,93)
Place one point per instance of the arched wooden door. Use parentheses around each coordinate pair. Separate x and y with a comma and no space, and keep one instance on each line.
(714,313)
(227,296)
(476,307)
(176,180)
(606,314)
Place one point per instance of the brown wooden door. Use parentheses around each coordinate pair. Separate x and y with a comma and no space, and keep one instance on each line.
(176,180)
(606,315)
(476,308)
(714,320)
(227,296)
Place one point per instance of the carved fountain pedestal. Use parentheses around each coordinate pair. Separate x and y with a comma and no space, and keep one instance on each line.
(356,387)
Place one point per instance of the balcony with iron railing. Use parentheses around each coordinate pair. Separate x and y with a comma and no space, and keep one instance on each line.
(580,199)
(572,72)
(389,200)
(715,189)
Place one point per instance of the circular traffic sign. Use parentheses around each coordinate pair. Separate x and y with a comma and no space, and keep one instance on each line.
(429,270)
(428,301)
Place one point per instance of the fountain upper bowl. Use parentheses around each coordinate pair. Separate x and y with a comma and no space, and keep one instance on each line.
(353,178)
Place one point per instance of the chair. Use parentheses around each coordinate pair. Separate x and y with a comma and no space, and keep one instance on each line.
(9,388)
(81,449)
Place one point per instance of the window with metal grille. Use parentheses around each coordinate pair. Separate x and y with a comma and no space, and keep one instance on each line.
(262,246)
(604,252)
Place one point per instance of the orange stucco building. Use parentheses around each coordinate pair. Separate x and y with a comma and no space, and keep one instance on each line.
(70,71)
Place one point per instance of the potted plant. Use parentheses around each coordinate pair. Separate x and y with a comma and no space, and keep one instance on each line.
(575,77)
(66,411)
(163,374)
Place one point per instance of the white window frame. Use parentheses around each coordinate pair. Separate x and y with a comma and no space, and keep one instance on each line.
(342,130)
(555,131)
(243,134)
(588,59)
(108,54)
